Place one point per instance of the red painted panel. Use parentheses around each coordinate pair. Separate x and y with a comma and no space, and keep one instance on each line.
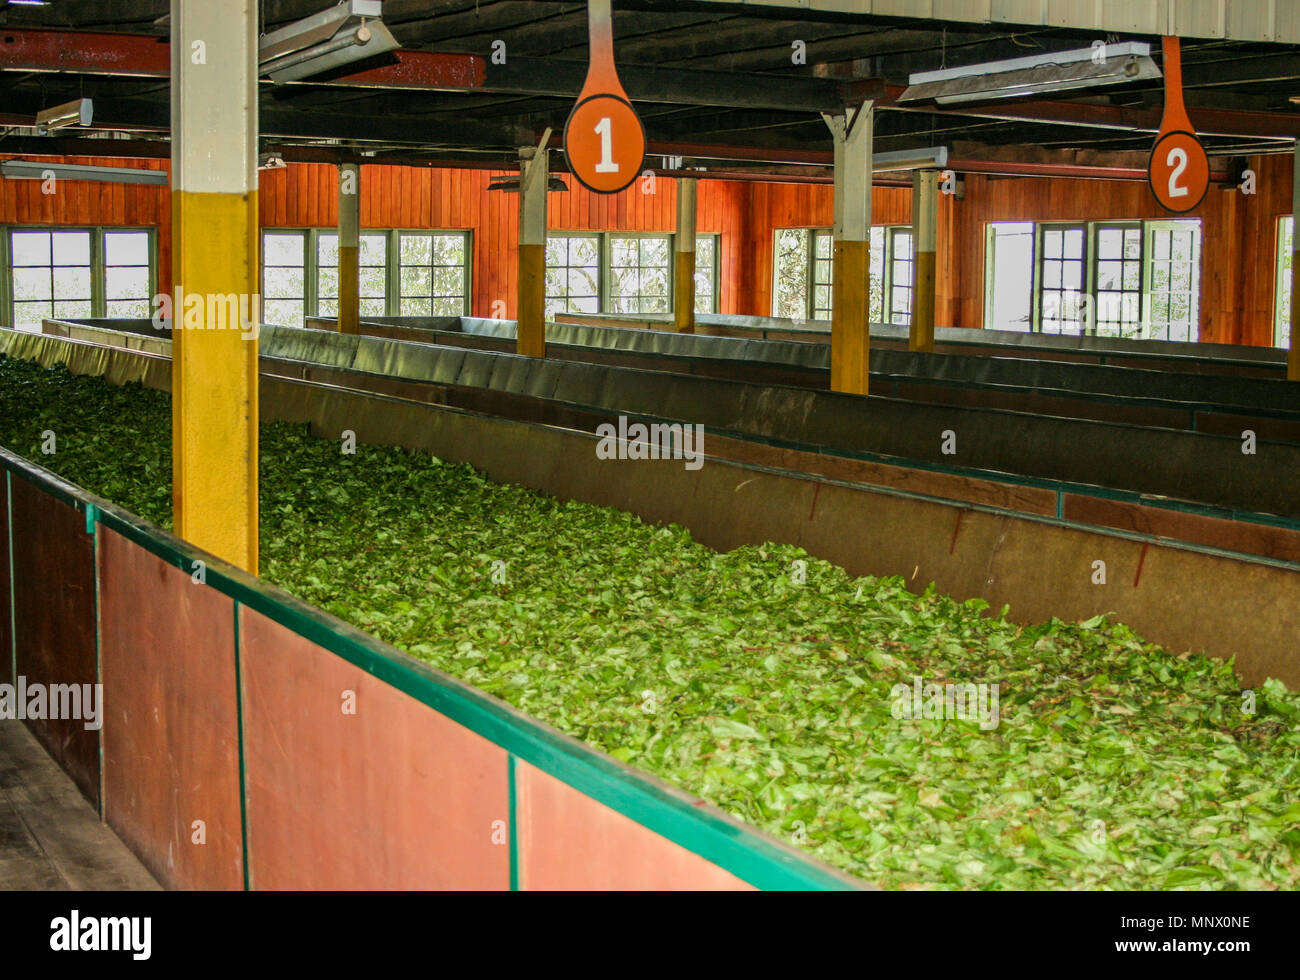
(171,754)
(6,637)
(568,841)
(393,796)
(54,623)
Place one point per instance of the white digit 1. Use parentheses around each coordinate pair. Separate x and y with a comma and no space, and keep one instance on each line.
(606,165)
(1177,159)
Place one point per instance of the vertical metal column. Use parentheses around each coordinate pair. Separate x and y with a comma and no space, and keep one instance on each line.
(925,219)
(215,267)
(534,165)
(684,257)
(851,262)
(349,248)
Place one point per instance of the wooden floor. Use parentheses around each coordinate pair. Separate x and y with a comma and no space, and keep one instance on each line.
(50,837)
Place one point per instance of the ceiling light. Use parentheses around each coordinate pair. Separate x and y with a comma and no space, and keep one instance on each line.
(347,32)
(1059,71)
(78,112)
(929,158)
(511,184)
(36,170)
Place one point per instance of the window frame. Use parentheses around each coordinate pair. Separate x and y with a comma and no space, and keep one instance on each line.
(392,263)
(98,270)
(888,234)
(715,294)
(1282,294)
(606,272)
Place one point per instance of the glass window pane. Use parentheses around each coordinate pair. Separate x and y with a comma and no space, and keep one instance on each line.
(127,283)
(126,248)
(33,284)
(282,249)
(71,283)
(1074,243)
(416,282)
(283,313)
(327,250)
(30,248)
(374,249)
(415,249)
(71,247)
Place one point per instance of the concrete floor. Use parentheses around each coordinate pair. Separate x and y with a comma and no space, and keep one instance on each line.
(50,837)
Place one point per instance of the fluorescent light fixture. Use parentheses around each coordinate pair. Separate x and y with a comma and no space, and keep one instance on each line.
(511,184)
(347,32)
(1127,61)
(270,161)
(36,170)
(928,158)
(78,112)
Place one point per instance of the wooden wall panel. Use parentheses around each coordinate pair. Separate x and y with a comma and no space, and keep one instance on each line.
(1239,242)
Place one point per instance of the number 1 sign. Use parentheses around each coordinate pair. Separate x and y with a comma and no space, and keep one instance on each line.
(604,141)
(1179,170)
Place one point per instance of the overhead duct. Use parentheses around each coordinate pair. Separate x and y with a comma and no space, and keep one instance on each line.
(1104,64)
(347,32)
(36,170)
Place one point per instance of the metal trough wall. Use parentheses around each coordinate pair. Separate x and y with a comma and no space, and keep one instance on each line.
(252,741)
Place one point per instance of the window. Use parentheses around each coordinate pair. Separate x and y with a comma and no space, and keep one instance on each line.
(1119,280)
(572,274)
(1060,292)
(1282,302)
(431,274)
(373,273)
(623,273)
(1173,266)
(1134,279)
(1009,276)
(706,273)
(639,274)
(802,273)
(401,273)
(78,272)
(900,274)
(284,277)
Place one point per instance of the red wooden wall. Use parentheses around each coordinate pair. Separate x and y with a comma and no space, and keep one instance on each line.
(1238,243)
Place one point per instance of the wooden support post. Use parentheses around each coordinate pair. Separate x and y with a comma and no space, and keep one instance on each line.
(851,261)
(925,217)
(349,248)
(534,163)
(1293,354)
(684,258)
(215,315)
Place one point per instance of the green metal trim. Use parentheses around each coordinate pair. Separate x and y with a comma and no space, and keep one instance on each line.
(243,768)
(513,821)
(703,829)
(90,511)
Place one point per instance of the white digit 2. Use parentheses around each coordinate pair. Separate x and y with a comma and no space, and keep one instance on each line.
(606,165)
(1177,159)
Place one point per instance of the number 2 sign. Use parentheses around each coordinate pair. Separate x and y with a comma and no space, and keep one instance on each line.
(604,141)
(1179,170)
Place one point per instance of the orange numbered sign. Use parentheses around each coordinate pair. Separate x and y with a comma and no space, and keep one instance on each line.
(604,141)
(1179,170)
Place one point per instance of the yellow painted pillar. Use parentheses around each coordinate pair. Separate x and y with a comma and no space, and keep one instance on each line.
(216,306)
(851,259)
(349,248)
(1293,354)
(925,219)
(534,164)
(684,257)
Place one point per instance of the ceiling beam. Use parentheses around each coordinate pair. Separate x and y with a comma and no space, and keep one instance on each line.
(133,55)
